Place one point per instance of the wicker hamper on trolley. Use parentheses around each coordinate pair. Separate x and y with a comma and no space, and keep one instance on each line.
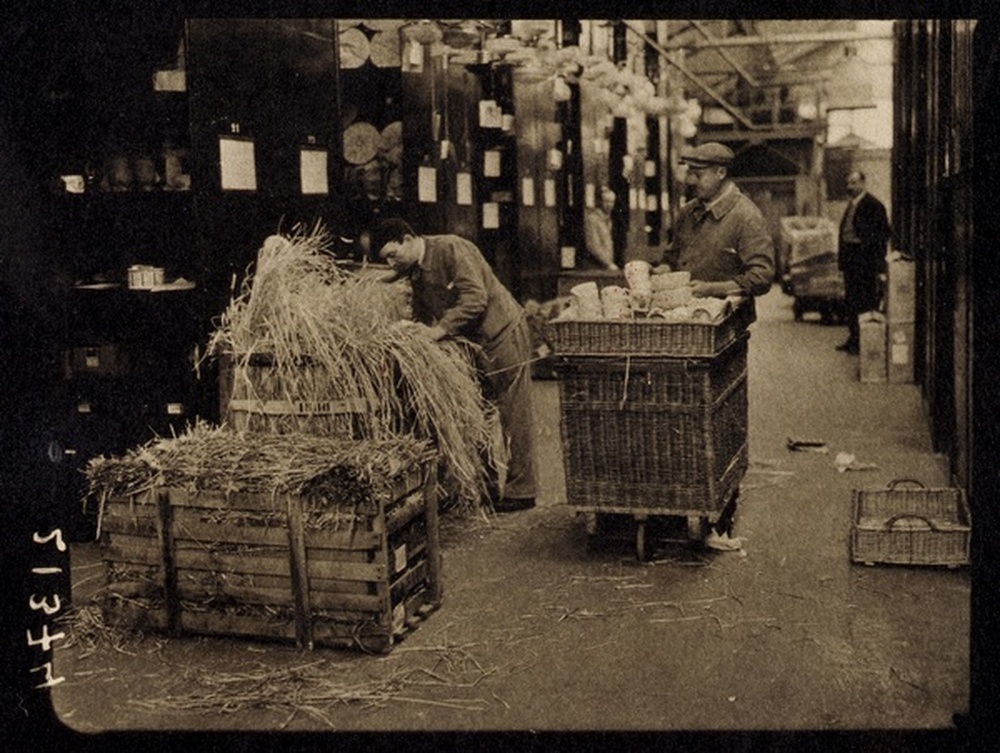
(669,434)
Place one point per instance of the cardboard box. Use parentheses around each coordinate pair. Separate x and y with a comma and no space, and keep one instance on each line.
(899,344)
(901,291)
(872,366)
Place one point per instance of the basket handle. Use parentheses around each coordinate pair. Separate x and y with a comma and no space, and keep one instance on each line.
(892,521)
(892,484)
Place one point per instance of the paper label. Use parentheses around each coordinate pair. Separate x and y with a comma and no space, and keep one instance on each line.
(491,215)
(567,257)
(463,189)
(427,184)
(633,198)
(491,163)
(237,165)
(550,192)
(528,192)
(590,195)
(490,115)
(313,172)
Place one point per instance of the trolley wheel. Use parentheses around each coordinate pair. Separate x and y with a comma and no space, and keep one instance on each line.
(798,309)
(697,527)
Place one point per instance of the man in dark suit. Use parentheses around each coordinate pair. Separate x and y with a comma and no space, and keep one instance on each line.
(864,233)
(456,294)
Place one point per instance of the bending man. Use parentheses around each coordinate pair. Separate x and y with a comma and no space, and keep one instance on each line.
(456,293)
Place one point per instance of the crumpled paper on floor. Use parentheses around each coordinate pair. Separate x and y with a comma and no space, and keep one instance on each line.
(845,461)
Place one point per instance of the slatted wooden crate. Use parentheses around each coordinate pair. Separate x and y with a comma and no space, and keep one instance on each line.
(282,567)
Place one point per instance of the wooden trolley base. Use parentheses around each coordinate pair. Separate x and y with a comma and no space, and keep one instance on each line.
(653,524)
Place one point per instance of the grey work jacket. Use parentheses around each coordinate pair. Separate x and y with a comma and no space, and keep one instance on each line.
(456,288)
(729,241)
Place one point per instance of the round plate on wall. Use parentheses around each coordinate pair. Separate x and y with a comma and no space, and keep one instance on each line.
(354,48)
(361,142)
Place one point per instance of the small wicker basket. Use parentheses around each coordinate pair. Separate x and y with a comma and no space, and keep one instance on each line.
(910,526)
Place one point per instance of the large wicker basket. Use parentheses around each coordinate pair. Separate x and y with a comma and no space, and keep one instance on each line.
(667,435)
(910,525)
(650,337)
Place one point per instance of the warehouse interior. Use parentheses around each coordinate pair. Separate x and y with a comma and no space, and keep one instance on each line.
(132,213)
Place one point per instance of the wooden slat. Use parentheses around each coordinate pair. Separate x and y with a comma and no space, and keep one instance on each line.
(431,501)
(299,574)
(360,606)
(143,526)
(403,513)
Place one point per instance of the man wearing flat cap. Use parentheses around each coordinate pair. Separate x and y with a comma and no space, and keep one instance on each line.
(720,236)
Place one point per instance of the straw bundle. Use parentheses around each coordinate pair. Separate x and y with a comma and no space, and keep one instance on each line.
(330,334)
(211,457)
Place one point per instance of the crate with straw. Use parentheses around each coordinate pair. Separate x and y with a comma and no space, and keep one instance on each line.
(327,552)
(907,523)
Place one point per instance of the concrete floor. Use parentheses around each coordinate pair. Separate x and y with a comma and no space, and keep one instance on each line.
(536,632)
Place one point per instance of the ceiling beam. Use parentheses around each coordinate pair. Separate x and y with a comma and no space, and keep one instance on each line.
(693,77)
(744,73)
(817,37)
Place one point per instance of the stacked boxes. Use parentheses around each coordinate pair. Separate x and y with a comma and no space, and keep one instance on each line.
(872,330)
(900,315)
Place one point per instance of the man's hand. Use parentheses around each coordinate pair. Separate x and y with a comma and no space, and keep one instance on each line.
(721,289)
(419,328)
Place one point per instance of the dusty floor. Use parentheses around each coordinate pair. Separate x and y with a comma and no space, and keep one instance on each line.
(536,632)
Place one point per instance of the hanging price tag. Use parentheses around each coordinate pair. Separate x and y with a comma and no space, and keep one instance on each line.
(550,192)
(491,163)
(491,215)
(528,192)
(416,57)
(567,257)
(427,184)
(313,172)
(651,205)
(590,195)
(490,115)
(650,169)
(445,148)
(463,189)
(633,198)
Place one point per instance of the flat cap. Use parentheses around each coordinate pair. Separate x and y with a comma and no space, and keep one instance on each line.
(708,154)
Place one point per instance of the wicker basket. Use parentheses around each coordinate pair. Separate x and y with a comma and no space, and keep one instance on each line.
(650,337)
(667,436)
(910,526)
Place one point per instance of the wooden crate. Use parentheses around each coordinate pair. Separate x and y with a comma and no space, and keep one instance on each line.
(253,397)
(280,567)
(666,435)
